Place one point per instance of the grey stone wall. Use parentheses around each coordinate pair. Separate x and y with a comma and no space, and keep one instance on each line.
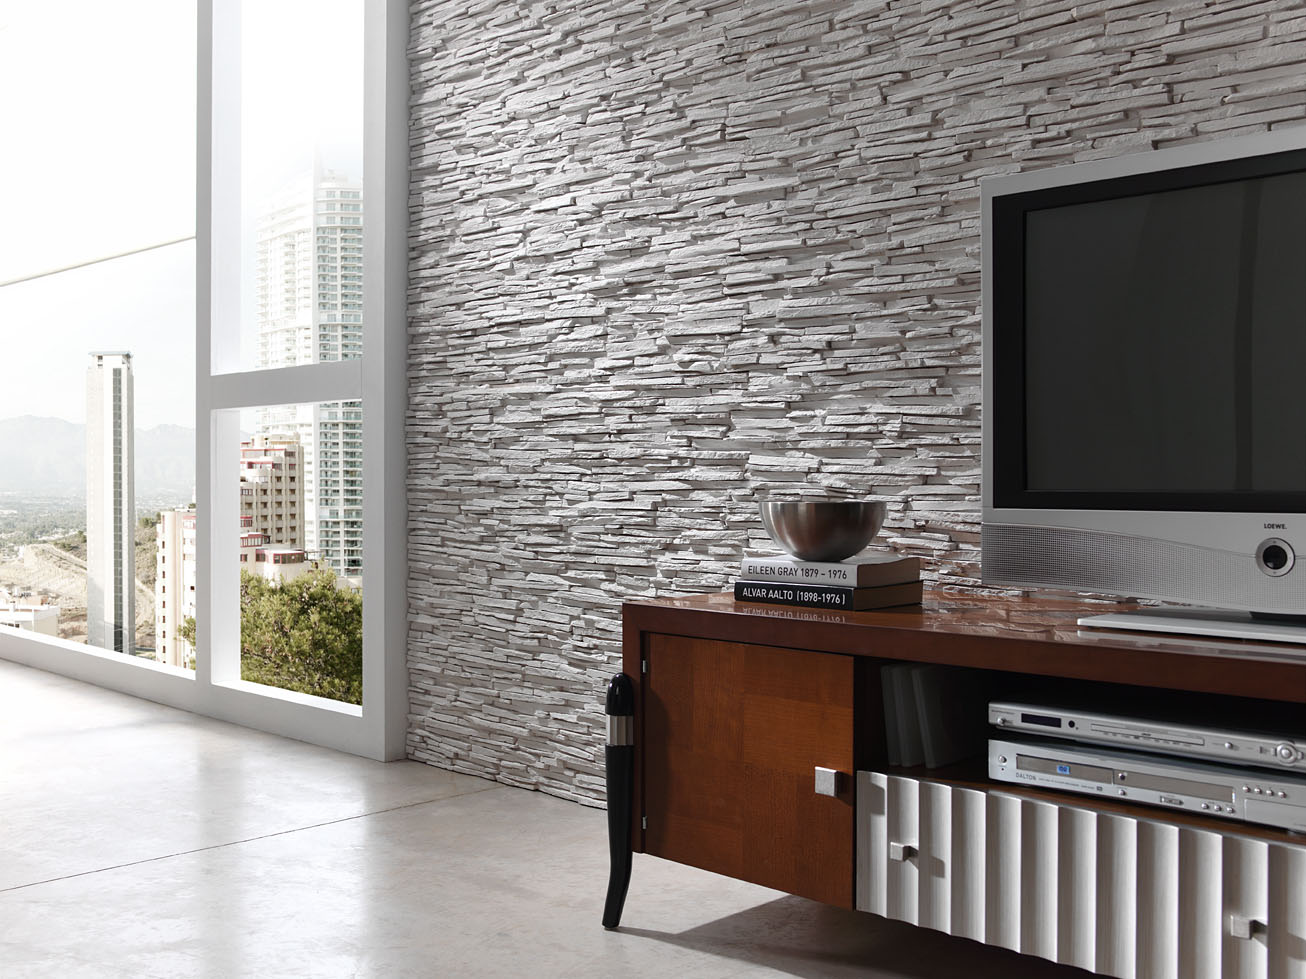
(666,256)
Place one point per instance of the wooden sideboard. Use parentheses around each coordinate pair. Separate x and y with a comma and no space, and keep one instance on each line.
(737,704)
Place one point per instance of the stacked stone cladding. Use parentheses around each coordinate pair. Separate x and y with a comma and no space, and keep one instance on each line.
(666,257)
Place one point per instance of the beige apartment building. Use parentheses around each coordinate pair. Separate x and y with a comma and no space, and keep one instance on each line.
(272,489)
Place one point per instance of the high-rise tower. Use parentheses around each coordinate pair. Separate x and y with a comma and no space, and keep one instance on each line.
(110,504)
(309,299)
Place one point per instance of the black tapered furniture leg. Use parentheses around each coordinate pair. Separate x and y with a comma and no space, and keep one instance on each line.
(619,756)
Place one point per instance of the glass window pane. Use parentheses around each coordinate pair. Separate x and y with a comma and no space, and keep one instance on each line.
(301,182)
(97,298)
(301,548)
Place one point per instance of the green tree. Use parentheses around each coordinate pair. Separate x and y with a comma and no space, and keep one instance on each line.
(187,632)
(304,634)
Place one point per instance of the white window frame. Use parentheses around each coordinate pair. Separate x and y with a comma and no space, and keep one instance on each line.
(377,729)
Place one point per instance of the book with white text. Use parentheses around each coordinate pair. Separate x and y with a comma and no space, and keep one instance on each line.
(829,596)
(864,571)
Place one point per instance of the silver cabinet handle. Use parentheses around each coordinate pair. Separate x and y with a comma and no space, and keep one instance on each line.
(901,851)
(828,781)
(1241,926)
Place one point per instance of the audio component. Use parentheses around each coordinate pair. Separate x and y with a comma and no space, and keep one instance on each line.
(1232,747)
(1271,798)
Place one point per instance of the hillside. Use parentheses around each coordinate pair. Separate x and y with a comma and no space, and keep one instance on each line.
(58,572)
(146,546)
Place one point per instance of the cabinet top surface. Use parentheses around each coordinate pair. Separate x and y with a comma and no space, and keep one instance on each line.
(1044,629)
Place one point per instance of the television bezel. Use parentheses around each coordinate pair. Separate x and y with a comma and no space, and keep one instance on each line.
(1007,222)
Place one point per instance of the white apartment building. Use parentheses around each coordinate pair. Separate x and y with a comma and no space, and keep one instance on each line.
(110,503)
(39,616)
(309,309)
(174,585)
(260,556)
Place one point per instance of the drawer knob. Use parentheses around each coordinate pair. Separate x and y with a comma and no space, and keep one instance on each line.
(828,781)
(901,851)
(1241,926)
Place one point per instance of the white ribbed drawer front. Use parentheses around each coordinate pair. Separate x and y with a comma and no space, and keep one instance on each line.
(1114,894)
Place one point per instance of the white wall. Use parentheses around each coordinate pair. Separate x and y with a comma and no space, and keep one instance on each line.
(665,255)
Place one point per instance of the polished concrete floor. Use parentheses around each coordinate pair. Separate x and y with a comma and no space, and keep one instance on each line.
(139,841)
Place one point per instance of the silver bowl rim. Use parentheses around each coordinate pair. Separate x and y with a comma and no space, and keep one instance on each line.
(821,503)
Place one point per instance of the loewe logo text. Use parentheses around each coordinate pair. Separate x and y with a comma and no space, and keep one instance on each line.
(1276,526)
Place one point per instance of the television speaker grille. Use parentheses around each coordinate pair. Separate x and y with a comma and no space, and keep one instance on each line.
(1141,567)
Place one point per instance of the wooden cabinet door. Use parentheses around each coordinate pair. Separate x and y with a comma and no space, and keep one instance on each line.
(732,736)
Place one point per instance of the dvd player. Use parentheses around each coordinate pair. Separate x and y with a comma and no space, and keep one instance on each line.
(1273,799)
(1234,747)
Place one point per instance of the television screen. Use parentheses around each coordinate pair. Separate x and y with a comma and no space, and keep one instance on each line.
(1163,346)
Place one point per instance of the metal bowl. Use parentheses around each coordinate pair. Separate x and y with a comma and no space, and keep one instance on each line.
(822,530)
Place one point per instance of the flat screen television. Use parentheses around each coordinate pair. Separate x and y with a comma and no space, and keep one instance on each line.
(1145,380)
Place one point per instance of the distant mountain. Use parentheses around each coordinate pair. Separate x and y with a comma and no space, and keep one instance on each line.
(48,456)
(43,455)
(165,462)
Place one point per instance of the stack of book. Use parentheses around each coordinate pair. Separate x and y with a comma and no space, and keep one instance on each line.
(869,581)
(934,715)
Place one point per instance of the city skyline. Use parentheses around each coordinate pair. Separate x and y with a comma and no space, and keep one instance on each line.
(309,308)
(105,258)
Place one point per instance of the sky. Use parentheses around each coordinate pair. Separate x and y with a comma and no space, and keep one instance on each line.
(98,117)
(98,113)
